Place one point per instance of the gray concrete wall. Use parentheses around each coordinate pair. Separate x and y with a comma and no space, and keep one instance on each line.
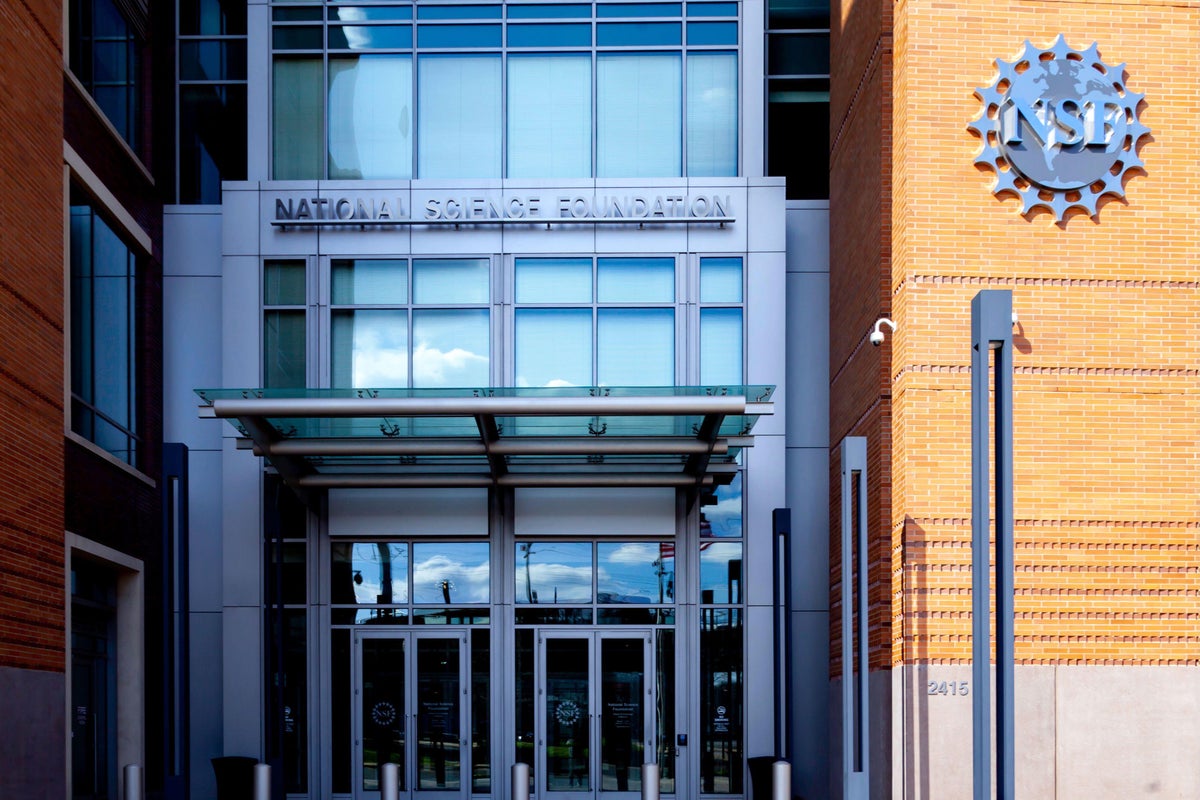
(33,757)
(1083,732)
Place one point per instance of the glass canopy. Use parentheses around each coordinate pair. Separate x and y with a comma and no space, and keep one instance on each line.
(685,436)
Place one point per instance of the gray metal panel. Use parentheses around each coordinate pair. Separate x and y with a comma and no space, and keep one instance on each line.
(258,99)
(191,339)
(191,239)
(766,332)
(808,237)
(765,483)
(242,676)
(206,698)
(241,316)
(751,136)
(760,680)
(241,538)
(204,520)
(807,395)
(808,498)
(239,221)
(810,691)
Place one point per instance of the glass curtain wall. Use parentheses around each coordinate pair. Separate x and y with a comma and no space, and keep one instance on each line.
(798,95)
(488,91)
(104,49)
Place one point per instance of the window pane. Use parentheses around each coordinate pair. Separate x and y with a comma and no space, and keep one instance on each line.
(724,517)
(212,140)
(550,116)
(721,347)
(297,38)
(297,101)
(370,117)
(618,34)
(450,348)
(283,350)
(549,11)
(369,349)
(370,282)
(712,33)
(721,700)
(370,37)
(798,136)
(798,14)
(459,118)
(720,280)
(363,13)
(451,572)
(458,12)
(639,115)
(553,347)
(712,10)
(635,572)
(554,572)
(798,53)
(712,114)
(451,280)
(369,572)
(211,17)
(634,280)
(550,35)
(635,347)
(554,280)
(283,283)
(638,10)
(212,61)
(458,36)
(720,572)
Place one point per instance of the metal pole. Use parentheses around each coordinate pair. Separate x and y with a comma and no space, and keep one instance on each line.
(781,780)
(262,782)
(520,782)
(991,329)
(855,721)
(649,781)
(132,790)
(389,782)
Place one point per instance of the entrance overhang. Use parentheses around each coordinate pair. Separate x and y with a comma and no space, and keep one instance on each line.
(676,436)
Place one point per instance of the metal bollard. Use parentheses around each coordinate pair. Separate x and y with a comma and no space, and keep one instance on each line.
(520,782)
(389,782)
(262,782)
(781,780)
(649,781)
(132,790)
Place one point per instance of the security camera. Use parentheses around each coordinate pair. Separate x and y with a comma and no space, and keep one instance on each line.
(877,334)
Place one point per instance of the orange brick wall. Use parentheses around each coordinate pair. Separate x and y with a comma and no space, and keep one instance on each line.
(31,337)
(1107,383)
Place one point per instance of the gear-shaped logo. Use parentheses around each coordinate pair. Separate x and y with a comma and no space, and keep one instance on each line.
(1059,128)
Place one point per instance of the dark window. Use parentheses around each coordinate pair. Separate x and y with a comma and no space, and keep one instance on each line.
(103,334)
(104,56)
(93,682)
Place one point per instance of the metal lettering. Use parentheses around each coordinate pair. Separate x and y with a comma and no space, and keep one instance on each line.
(282,211)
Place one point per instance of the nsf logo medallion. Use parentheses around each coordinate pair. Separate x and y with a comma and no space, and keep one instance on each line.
(1059,128)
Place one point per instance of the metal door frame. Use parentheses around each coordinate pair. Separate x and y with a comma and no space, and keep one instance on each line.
(412,639)
(594,637)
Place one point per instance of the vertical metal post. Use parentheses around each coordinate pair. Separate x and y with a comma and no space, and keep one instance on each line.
(781,780)
(781,523)
(991,329)
(520,782)
(132,788)
(856,783)
(649,781)
(262,782)
(389,782)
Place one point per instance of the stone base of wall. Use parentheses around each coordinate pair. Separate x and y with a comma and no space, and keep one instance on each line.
(33,759)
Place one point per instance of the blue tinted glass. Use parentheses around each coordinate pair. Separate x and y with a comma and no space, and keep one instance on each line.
(297,38)
(550,35)
(451,572)
(556,11)
(721,346)
(712,114)
(724,518)
(295,15)
(450,348)
(638,10)
(635,572)
(551,280)
(553,572)
(639,115)
(712,10)
(550,117)
(370,37)
(720,572)
(616,34)
(721,280)
(450,280)
(553,347)
(458,12)
(458,36)
(368,348)
(712,32)
(636,280)
(459,120)
(370,118)
(635,347)
(361,14)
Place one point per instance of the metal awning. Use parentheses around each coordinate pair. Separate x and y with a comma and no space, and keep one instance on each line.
(682,436)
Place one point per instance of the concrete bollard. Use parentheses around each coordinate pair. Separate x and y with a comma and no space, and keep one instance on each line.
(262,782)
(132,789)
(520,782)
(781,780)
(649,781)
(389,782)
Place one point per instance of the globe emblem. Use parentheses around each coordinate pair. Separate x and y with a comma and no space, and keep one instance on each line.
(1059,129)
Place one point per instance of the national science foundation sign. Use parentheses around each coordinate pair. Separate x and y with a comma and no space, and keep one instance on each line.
(1059,128)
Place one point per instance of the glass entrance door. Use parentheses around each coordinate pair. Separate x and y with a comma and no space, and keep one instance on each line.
(595,713)
(410,710)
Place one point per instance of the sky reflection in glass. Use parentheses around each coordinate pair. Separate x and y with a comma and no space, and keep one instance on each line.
(721,572)
(451,572)
(635,572)
(554,572)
